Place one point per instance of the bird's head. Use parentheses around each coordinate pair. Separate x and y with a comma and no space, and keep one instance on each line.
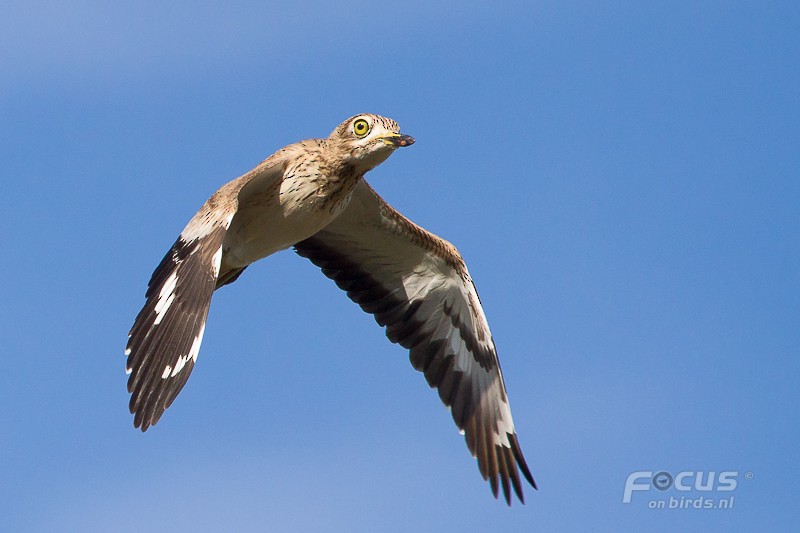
(368,140)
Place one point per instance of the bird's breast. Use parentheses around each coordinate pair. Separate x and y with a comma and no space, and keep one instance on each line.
(306,202)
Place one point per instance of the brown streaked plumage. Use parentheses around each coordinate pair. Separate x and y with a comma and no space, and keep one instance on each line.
(311,195)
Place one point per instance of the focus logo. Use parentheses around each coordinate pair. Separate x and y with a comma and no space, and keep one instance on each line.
(686,481)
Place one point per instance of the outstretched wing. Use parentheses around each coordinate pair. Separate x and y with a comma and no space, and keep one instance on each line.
(165,338)
(417,287)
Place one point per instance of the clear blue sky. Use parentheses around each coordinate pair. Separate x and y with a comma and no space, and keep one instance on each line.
(621,177)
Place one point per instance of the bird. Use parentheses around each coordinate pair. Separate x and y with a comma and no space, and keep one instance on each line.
(312,196)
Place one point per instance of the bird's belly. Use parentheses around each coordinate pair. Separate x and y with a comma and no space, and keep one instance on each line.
(262,232)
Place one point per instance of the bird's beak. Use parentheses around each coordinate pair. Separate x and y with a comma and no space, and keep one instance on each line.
(398,139)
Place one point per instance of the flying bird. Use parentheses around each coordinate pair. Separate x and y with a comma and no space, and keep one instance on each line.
(312,196)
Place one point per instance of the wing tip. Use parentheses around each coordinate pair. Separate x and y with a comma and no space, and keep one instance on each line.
(503,471)
(520,459)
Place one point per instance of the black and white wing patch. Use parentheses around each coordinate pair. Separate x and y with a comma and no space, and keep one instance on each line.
(165,338)
(417,287)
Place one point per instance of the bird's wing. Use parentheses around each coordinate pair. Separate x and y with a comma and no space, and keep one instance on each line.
(417,286)
(165,338)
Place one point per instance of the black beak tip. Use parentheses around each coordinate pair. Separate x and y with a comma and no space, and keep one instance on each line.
(403,140)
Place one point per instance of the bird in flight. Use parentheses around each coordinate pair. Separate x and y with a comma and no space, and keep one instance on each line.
(312,196)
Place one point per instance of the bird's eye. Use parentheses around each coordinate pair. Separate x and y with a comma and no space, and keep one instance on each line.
(361,127)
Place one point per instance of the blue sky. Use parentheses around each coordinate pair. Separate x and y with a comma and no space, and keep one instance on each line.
(621,177)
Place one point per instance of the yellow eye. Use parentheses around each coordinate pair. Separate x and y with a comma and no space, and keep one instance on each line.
(361,127)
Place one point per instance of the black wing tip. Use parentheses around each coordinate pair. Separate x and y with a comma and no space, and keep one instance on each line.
(147,409)
(140,419)
(520,459)
(144,416)
(508,462)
